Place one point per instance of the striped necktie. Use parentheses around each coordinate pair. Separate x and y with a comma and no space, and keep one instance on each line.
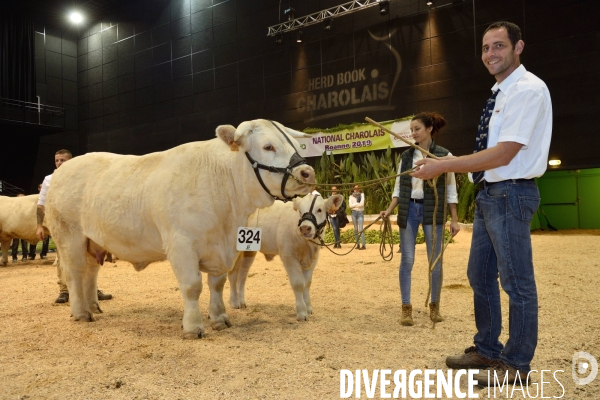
(482,131)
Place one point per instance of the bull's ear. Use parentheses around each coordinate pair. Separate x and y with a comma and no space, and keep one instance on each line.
(227,134)
(334,202)
(296,203)
(243,129)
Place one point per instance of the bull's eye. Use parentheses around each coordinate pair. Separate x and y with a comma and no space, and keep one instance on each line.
(268,147)
(319,210)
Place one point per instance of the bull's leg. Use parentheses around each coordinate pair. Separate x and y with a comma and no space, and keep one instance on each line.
(90,284)
(237,279)
(296,277)
(216,310)
(307,282)
(74,264)
(5,246)
(185,266)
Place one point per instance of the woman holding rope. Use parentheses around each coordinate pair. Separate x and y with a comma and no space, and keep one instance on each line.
(416,200)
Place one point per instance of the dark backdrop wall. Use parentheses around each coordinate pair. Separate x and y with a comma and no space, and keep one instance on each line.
(56,77)
(148,85)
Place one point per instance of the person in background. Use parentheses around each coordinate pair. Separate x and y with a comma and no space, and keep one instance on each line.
(357,205)
(416,201)
(334,220)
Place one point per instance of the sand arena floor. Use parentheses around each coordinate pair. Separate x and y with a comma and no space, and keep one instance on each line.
(135,351)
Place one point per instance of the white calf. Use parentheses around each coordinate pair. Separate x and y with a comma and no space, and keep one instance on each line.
(290,230)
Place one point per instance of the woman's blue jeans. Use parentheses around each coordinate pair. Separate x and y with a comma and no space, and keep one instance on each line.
(358,218)
(501,247)
(336,228)
(408,239)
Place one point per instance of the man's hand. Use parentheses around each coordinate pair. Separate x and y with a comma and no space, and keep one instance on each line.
(39,232)
(384,214)
(428,168)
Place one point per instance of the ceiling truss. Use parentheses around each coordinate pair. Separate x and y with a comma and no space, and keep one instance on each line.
(321,16)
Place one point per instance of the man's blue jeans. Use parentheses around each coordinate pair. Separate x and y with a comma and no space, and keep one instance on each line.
(408,239)
(501,246)
(358,218)
(336,228)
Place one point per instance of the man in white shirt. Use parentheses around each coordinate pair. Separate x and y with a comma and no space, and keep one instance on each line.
(518,141)
(61,157)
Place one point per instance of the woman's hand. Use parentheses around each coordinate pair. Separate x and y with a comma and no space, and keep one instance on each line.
(454,228)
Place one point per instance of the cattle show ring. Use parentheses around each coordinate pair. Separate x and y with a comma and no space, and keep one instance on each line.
(175,216)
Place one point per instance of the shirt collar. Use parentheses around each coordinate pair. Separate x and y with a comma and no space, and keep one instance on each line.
(512,78)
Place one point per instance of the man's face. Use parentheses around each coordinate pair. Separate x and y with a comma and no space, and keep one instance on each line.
(333,190)
(498,54)
(60,159)
(40,187)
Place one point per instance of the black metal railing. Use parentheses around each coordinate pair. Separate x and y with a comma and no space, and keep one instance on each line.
(6,189)
(23,112)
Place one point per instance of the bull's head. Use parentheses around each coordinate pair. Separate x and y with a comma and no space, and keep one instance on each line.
(271,150)
(313,211)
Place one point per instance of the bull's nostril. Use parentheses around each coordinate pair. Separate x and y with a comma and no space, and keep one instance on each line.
(304,174)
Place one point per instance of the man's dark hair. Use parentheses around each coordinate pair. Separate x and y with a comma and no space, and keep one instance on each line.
(513,30)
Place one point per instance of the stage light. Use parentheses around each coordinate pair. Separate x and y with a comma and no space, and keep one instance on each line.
(299,37)
(328,24)
(75,17)
(384,7)
(279,39)
(291,13)
(554,162)
(430,3)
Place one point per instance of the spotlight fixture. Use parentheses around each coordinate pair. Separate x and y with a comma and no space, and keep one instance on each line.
(291,13)
(554,162)
(75,17)
(299,37)
(429,3)
(384,7)
(279,39)
(328,24)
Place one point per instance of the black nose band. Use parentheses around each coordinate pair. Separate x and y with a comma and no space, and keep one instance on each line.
(309,216)
(295,161)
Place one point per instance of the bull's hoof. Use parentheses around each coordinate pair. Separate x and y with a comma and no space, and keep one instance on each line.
(242,305)
(220,325)
(193,335)
(85,317)
(302,317)
(96,308)
(3,263)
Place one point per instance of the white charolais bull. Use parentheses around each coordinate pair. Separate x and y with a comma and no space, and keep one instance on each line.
(17,220)
(184,204)
(290,232)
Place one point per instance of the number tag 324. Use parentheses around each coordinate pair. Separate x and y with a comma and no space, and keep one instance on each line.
(248,239)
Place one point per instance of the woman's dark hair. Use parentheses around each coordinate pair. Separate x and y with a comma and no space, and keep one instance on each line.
(431,119)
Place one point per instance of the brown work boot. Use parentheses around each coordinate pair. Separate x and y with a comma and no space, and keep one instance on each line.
(104,296)
(63,297)
(471,359)
(434,312)
(406,319)
(497,373)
